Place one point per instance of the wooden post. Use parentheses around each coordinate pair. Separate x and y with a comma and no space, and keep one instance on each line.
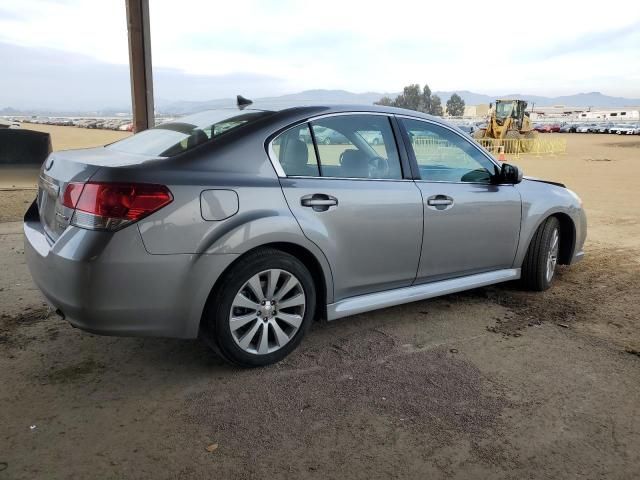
(140,64)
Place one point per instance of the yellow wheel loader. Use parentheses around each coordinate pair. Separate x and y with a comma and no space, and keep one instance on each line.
(509,126)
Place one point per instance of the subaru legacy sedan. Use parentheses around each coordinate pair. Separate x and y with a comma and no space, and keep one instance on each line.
(239,227)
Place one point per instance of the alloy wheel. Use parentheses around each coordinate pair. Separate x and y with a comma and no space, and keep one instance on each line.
(552,257)
(267,311)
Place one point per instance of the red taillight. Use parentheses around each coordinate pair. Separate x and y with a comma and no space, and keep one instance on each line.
(113,205)
(71,194)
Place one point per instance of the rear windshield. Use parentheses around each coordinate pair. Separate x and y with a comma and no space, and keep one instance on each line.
(176,137)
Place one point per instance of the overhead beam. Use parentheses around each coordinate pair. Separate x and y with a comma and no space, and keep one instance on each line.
(140,64)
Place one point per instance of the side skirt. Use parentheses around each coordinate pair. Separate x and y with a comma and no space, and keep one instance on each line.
(389,298)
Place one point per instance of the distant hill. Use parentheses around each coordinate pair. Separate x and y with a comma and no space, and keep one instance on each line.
(592,99)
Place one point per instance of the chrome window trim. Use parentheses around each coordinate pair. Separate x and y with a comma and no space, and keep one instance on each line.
(307,177)
(282,174)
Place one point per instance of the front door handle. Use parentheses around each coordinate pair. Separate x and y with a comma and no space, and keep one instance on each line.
(440,202)
(320,202)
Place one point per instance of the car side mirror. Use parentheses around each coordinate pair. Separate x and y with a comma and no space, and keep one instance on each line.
(510,174)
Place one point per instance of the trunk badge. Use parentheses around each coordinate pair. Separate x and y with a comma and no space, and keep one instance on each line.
(49,164)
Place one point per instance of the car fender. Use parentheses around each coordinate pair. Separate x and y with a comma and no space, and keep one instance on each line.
(541,200)
(258,228)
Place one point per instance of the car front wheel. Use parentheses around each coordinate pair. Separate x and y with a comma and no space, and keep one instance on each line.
(539,266)
(262,309)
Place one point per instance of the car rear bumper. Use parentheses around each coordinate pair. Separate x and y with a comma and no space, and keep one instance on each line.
(107,283)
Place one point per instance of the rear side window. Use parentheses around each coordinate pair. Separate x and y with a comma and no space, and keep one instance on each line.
(294,150)
(177,137)
(347,146)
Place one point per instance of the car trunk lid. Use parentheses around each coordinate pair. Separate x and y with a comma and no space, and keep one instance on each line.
(63,167)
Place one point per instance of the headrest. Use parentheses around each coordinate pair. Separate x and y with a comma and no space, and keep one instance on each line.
(296,152)
(196,138)
(354,164)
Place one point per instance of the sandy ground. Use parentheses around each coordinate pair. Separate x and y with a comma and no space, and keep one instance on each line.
(494,383)
(63,138)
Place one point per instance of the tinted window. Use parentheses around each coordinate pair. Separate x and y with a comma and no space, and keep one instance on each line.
(172,138)
(294,150)
(357,146)
(444,156)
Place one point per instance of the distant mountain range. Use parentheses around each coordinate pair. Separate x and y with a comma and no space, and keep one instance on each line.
(593,99)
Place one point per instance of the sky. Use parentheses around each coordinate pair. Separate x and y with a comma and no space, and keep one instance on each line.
(73,53)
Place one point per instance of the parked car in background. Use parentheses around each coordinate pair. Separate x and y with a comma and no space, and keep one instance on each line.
(585,127)
(603,127)
(546,128)
(226,225)
(628,129)
(568,128)
(372,137)
(9,123)
(328,136)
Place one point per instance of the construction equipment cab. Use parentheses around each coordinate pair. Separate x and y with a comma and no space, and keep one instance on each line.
(509,122)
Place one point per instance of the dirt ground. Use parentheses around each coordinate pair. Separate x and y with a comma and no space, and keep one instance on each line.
(63,138)
(493,383)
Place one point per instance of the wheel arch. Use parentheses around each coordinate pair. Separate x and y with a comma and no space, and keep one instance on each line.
(567,237)
(321,279)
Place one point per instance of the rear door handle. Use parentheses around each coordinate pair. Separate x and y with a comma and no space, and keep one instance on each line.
(320,202)
(440,202)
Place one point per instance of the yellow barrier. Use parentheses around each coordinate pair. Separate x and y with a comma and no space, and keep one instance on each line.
(436,149)
(515,147)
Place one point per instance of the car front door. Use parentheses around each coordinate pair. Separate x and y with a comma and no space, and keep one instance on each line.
(350,199)
(471,225)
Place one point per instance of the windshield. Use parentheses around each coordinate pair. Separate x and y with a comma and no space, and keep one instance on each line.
(176,137)
(503,109)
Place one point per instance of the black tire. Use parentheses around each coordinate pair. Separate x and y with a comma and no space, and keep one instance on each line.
(215,328)
(534,267)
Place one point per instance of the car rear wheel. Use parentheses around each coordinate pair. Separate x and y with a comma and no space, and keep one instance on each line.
(539,266)
(262,309)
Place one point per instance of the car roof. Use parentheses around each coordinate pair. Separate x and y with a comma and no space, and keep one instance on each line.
(326,109)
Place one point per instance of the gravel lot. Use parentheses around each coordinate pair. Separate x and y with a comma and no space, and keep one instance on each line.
(493,383)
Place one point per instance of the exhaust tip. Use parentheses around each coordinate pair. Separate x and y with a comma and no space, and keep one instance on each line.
(60,313)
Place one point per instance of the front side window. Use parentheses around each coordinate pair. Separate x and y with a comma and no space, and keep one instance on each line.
(444,156)
(357,146)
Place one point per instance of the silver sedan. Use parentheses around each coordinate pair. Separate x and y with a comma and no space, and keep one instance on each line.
(239,226)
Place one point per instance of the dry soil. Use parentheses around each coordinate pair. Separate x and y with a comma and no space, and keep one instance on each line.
(493,383)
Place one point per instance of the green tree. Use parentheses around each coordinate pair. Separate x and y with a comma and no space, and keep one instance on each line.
(436,106)
(455,105)
(386,101)
(410,98)
(413,98)
(426,99)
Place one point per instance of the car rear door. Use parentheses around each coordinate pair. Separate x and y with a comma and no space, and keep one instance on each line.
(352,200)
(470,224)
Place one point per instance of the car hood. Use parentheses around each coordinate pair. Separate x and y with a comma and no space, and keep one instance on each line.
(534,179)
